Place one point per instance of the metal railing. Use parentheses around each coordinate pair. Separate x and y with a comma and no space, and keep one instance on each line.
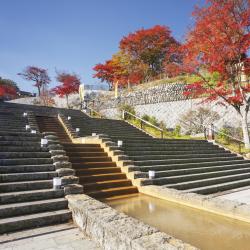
(92,113)
(126,114)
(211,132)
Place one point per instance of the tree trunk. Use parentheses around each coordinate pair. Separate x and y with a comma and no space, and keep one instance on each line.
(67,100)
(245,129)
(39,91)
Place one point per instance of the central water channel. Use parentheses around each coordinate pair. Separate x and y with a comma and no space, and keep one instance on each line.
(204,230)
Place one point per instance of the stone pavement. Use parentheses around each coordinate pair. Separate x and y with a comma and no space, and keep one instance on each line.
(240,196)
(58,237)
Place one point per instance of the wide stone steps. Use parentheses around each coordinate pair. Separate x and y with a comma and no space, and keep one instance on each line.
(191,160)
(22,208)
(187,156)
(30,195)
(209,181)
(94,164)
(25,161)
(183,171)
(90,171)
(188,165)
(37,219)
(83,159)
(86,154)
(199,176)
(11,155)
(88,187)
(26,168)
(210,189)
(19,143)
(104,193)
(18,177)
(25,185)
(36,148)
(101,177)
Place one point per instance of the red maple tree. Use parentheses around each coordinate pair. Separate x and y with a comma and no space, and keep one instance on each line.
(8,89)
(217,51)
(149,47)
(38,75)
(69,84)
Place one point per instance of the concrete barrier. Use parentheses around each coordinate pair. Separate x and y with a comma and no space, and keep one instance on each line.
(116,231)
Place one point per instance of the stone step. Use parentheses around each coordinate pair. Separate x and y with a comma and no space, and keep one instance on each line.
(89,159)
(89,187)
(16,209)
(26,168)
(31,195)
(34,220)
(91,171)
(83,149)
(79,145)
(84,154)
(18,133)
(167,148)
(187,156)
(93,164)
(36,148)
(16,177)
(219,187)
(19,143)
(199,176)
(191,160)
(164,141)
(104,193)
(25,185)
(184,171)
(21,138)
(207,182)
(188,165)
(174,152)
(11,155)
(25,161)
(101,177)
(166,145)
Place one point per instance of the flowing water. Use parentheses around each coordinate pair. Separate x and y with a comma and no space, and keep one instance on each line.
(201,229)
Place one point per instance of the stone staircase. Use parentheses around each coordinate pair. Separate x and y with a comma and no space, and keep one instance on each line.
(27,197)
(100,176)
(189,165)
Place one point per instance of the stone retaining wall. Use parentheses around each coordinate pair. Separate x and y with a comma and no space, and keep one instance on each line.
(116,231)
(171,112)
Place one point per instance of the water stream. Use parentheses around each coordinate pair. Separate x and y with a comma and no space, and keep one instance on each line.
(204,230)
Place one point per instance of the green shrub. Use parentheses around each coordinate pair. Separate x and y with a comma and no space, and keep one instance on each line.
(177,131)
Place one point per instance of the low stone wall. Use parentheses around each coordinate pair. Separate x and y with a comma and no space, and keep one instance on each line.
(116,231)
(220,206)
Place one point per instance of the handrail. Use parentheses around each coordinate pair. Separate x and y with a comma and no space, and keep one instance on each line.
(94,111)
(142,121)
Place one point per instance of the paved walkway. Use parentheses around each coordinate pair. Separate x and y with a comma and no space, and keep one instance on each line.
(59,237)
(241,196)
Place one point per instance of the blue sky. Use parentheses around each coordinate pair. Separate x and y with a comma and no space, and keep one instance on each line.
(74,35)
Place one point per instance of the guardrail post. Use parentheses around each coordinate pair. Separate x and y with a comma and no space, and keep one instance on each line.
(123,114)
(141,124)
(161,134)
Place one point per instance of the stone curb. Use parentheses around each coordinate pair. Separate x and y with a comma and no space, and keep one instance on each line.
(216,205)
(114,230)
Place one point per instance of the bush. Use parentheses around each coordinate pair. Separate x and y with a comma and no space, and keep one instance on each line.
(177,131)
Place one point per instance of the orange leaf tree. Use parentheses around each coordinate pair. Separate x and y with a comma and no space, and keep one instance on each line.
(68,84)
(217,51)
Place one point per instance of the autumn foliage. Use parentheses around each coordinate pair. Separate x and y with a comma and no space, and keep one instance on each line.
(143,56)
(68,84)
(38,75)
(8,89)
(217,52)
